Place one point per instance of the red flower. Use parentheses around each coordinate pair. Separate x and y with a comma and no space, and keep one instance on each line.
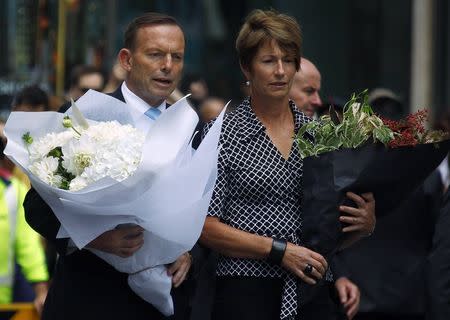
(409,131)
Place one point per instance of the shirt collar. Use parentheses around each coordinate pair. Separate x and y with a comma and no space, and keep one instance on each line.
(136,102)
(251,125)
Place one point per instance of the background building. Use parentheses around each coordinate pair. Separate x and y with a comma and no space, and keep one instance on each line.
(403,45)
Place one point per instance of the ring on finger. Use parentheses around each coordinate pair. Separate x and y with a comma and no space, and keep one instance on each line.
(308,269)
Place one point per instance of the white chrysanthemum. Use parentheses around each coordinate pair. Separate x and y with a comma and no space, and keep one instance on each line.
(118,153)
(45,170)
(40,148)
(77,183)
(78,155)
(106,149)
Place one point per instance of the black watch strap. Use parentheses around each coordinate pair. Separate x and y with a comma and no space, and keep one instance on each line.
(277,252)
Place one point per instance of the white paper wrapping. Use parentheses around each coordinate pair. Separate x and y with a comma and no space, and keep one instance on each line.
(168,195)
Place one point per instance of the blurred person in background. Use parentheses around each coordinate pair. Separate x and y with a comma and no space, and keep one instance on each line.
(208,110)
(83,78)
(115,78)
(306,87)
(211,108)
(389,266)
(305,92)
(31,99)
(18,242)
(336,102)
(197,87)
(386,103)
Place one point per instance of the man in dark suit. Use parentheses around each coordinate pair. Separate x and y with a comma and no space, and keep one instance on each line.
(389,266)
(84,286)
(438,266)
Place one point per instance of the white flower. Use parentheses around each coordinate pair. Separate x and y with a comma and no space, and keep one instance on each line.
(106,149)
(45,170)
(78,155)
(40,148)
(77,184)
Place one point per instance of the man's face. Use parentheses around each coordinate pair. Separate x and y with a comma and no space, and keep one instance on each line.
(305,90)
(155,64)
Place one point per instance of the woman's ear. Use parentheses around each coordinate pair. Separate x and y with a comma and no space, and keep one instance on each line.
(125,59)
(245,71)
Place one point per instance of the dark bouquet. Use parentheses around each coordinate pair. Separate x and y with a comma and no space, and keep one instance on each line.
(361,152)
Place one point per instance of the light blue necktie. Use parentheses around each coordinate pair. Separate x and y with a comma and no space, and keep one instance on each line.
(153,113)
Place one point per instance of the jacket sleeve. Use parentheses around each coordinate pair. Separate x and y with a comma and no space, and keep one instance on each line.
(42,219)
(29,251)
(438,267)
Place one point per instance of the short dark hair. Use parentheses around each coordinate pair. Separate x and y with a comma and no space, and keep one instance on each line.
(147,19)
(81,70)
(265,25)
(32,95)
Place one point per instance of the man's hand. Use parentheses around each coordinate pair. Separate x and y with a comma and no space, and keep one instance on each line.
(296,258)
(123,242)
(349,296)
(361,219)
(180,268)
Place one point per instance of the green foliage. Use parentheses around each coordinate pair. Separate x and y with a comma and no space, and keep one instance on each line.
(358,125)
(27,138)
(66,175)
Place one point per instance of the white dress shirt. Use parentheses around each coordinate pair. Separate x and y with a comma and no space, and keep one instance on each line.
(137,103)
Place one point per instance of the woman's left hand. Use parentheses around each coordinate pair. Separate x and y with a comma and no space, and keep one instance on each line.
(361,219)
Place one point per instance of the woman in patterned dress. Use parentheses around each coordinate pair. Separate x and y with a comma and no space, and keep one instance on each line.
(254,218)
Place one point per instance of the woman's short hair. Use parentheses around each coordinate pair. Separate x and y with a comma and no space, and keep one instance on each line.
(147,19)
(262,26)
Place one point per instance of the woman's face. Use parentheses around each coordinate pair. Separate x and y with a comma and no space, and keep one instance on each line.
(271,71)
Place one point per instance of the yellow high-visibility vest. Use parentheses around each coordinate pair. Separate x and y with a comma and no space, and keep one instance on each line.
(18,242)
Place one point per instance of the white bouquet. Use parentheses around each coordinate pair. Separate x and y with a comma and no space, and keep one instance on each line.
(74,159)
(119,167)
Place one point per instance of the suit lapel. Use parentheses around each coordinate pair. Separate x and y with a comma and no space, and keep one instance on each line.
(118,94)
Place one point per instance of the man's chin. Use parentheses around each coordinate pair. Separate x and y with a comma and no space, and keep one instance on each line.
(161,93)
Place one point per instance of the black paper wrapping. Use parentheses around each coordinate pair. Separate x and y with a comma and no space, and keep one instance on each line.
(391,174)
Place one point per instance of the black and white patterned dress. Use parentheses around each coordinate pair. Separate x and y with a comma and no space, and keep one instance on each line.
(258,191)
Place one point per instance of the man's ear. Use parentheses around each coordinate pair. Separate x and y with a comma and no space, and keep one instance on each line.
(125,59)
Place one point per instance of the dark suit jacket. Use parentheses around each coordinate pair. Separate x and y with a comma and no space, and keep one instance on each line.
(84,286)
(438,266)
(389,266)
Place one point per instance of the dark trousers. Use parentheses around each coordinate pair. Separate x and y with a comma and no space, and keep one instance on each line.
(323,305)
(383,316)
(249,298)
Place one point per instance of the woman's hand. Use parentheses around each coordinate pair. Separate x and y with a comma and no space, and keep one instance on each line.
(361,219)
(296,259)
